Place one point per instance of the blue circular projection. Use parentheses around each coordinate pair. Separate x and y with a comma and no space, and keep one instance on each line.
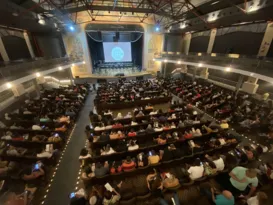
(117,53)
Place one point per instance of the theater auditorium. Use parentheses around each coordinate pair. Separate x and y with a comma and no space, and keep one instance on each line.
(136,102)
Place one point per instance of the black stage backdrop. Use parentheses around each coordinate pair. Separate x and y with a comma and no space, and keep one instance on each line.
(96,50)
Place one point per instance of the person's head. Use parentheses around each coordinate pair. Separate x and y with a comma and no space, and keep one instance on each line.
(128,159)
(91,113)
(87,128)
(132,143)
(84,152)
(227,194)
(98,165)
(132,130)
(107,148)
(149,126)
(129,114)
(196,162)
(163,137)
(262,197)
(119,115)
(108,195)
(251,173)
(216,156)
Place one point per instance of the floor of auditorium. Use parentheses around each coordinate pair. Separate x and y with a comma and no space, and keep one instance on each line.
(67,175)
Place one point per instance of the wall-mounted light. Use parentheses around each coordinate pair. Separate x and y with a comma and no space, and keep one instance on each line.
(9,85)
(228,69)
(200,65)
(83,62)
(178,62)
(38,75)
(60,68)
(165,60)
(71,28)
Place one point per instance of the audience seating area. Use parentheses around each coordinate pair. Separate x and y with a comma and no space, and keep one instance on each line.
(33,137)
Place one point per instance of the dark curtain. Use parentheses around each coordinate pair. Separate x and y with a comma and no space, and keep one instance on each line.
(48,45)
(16,47)
(96,50)
(199,44)
(137,51)
(246,43)
(173,43)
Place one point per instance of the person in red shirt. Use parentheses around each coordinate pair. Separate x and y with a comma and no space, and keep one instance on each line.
(132,133)
(128,164)
(117,125)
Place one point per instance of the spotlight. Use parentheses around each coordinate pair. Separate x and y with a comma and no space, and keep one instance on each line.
(60,68)
(200,65)
(153,59)
(71,28)
(9,85)
(228,69)
(157,28)
(38,75)
(72,64)
(83,62)
(165,60)
(179,62)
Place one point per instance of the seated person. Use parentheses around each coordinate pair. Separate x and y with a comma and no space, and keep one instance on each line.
(61,129)
(108,112)
(133,122)
(167,127)
(111,197)
(9,168)
(142,160)
(104,137)
(99,127)
(159,128)
(154,183)
(218,161)
(140,114)
(196,170)
(259,199)
(114,135)
(209,168)
(161,139)
(109,126)
(36,127)
(141,131)
(33,177)
(117,125)
(129,115)
(153,158)
(84,156)
(196,132)
(16,151)
(150,129)
(132,133)
(128,164)
(107,150)
(224,124)
(170,181)
(173,126)
(119,116)
(87,171)
(180,124)
(169,153)
(132,145)
(45,118)
(101,170)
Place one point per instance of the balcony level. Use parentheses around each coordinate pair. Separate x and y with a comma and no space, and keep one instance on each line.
(258,67)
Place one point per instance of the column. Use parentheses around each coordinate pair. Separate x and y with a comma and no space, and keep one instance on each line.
(3,51)
(186,43)
(250,86)
(213,33)
(267,40)
(204,73)
(30,49)
(239,84)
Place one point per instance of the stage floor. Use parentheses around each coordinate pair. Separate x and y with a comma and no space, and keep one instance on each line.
(114,71)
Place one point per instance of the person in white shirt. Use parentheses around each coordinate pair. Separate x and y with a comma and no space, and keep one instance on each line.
(132,145)
(36,127)
(129,115)
(108,150)
(218,161)
(100,127)
(196,170)
(259,199)
(119,116)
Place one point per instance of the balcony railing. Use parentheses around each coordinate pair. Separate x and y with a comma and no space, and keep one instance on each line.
(17,70)
(252,64)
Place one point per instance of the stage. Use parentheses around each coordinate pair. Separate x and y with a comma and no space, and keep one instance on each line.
(92,78)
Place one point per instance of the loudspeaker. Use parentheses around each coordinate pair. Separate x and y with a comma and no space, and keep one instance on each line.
(117,35)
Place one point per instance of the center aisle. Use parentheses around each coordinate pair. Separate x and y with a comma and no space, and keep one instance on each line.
(66,176)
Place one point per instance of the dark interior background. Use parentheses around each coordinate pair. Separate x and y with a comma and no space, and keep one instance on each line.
(16,47)
(246,43)
(48,45)
(95,44)
(199,44)
(270,51)
(173,42)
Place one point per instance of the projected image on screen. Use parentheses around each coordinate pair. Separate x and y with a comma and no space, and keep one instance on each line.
(117,52)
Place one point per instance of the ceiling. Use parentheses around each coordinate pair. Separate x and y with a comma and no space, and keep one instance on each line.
(168,14)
